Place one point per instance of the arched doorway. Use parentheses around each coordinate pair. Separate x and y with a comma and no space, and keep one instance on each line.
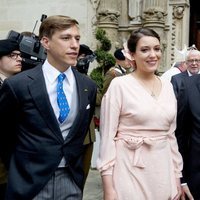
(194,24)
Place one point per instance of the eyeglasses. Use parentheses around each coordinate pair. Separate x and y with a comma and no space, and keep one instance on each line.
(193,61)
(14,56)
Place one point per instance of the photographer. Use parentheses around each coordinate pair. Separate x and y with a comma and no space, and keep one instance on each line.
(29,61)
(30,47)
(85,57)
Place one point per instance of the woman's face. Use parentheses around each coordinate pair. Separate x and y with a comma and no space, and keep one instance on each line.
(148,54)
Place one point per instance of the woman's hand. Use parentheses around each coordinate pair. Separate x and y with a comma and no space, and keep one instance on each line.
(110,194)
(179,191)
(186,193)
(108,188)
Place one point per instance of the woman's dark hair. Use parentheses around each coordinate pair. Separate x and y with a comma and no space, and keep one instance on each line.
(139,33)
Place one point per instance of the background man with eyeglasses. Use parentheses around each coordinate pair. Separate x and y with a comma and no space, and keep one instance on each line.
(187,93)
(10,64)
(10,59)
(188,129)
(193,67)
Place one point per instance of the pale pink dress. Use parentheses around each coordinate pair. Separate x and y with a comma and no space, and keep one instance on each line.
(138,146)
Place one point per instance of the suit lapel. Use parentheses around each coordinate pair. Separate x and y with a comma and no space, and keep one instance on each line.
(185,74)
(82,101)
(39,94)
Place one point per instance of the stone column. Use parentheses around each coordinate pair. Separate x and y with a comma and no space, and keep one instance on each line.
(134,11)
(154,12)
(179,20)
(154,16)
(107,19)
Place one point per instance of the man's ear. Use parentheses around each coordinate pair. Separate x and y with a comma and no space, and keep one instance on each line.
(45,42)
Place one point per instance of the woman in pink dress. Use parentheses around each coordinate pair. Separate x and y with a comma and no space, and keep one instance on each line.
(139,157)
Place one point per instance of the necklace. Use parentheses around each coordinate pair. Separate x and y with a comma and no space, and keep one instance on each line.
(150,90)
(152,94)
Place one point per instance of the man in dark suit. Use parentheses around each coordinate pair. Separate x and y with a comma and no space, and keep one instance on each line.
(10,64)
(188,134)
(177,81)
(193,67)
(45,115)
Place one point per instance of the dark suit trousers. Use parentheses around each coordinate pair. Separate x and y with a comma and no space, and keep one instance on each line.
(60,187)
(2,191)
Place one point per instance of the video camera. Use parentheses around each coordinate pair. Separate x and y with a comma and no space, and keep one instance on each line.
(32,51)
(85,57)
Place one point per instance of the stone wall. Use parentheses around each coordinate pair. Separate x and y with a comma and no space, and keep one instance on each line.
(21,15)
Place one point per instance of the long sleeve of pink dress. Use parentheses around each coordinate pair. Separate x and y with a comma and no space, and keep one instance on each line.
(138,147)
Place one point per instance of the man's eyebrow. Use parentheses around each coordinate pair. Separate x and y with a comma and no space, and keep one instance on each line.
(69,34)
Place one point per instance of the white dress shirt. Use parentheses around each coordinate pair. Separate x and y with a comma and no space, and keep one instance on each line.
(69,86)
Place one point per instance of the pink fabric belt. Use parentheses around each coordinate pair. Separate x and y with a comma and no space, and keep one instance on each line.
(135,143)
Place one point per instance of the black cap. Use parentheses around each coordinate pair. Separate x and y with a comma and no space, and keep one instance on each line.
(8,46)
(119,55)
(84,49)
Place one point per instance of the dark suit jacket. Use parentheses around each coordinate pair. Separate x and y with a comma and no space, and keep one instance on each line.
(177,81)
(188,132)
(3,171)
(31,142)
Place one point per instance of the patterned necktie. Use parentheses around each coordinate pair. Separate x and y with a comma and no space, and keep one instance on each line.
(61,99)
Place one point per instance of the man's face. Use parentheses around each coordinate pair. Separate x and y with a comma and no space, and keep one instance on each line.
(124,63)
(11,64)
(63,47)
(193,62)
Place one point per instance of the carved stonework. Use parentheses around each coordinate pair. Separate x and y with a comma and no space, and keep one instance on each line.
(173,41)
(178,12)
(95,4)
(108,16)
(135,10)
(153,14)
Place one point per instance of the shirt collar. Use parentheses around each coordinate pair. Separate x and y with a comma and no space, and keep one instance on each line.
(2,76)
(191,74)
(123,70)
(52,73)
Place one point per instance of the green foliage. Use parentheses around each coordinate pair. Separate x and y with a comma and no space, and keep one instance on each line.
(105,42)
(100,33)
(105,60)
(97,76)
